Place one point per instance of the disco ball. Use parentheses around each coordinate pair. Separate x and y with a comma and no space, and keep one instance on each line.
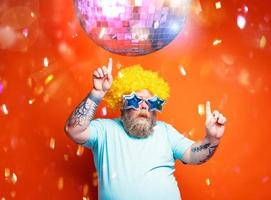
(132,27)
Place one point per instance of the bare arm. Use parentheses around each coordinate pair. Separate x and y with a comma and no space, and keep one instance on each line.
(77,124)
(204,149)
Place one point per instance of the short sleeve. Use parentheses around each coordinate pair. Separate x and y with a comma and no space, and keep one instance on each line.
(96,134)
(179,143)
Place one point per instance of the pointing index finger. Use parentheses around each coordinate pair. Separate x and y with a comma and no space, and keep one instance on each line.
(208,109)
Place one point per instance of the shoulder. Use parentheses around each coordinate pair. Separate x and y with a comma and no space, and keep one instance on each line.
(107,122)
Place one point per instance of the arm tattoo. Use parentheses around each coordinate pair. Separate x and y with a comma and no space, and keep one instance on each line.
(205,147)
(200,148)
(83,113)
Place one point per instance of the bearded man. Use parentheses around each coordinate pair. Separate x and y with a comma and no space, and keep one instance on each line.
(135,154)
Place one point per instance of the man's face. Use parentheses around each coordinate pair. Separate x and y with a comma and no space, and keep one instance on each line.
(139,122)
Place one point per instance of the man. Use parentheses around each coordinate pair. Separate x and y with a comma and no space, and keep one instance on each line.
(135,155)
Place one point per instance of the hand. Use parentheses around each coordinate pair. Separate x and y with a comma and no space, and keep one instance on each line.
(102,79)
(214,123)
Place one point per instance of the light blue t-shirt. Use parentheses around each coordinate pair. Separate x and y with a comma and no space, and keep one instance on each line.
(131,168)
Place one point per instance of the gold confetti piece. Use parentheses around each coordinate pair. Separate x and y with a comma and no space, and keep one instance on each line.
(86,198)
(216,42)
(60,183)
(45,62)
(104,111)
(3,198)
(85,189)
(80,150)
(208,182)
(14,178)
(66,157)
(182,70)
(49,79)
(4,109)
(120,75)
(218,5)
(52,143)
(32,14)
(201,110)
(6,172)
(262,42)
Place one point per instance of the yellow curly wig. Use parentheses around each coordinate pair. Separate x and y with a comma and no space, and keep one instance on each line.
(132,79)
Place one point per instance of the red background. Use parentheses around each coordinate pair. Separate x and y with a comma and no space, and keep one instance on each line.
(235,75)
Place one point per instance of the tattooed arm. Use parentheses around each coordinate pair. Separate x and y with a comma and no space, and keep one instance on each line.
(204,149)
(77,124)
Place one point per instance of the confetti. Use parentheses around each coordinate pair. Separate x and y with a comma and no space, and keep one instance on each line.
(4,109)
(31,101)
(218,5)
(80,150)
(201,110)
(49,79)
(14,178)
(6,173)
(241,21)
(208,182)
(182,70)
(60,183)
(45,62)
(52,143)
(262,42)
(85,189)
(216,42)
(104,111)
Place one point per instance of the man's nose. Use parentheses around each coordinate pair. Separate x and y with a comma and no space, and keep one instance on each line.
(144,106)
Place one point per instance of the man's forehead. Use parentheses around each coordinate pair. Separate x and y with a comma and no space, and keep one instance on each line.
(144,93)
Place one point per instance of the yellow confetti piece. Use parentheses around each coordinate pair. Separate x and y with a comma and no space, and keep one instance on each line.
(216,42)
(262,42)
(14,178)
(208,182)
(52,143)
(6,172)
(201,110)
(60,183)
(120,75)
(85,189)
(49,79)
(32,14)
(191,132)
(4,109)
(3,198)
(218,5)
(80,150)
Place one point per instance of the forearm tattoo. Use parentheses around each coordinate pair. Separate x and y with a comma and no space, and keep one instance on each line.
(83,113)
(206,147)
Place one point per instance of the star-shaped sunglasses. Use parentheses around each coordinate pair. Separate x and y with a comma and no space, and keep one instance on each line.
(133,101)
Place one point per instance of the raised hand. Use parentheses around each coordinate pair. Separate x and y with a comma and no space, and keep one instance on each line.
(214,124)
(102,79)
